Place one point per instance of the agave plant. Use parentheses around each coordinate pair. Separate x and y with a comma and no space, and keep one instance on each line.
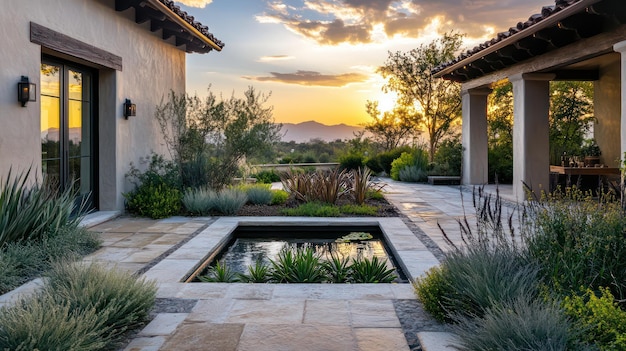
(34,211)
(258,273)
(220,273)
(371,271)
(301,265)
(337,269)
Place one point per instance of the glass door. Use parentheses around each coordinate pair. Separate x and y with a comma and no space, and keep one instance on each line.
(66,128)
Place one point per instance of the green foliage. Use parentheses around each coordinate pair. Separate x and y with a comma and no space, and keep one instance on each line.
(412,174)
(322,186)
(32,212)
(409,74)
(372,270)
(337,269)
(571,114)
(392,128)
(279,197)
(500,158)
(156,193)
(267,177)
(199,201)
(154,201)
(448,157)
(42,323)
(120,300)
(602,321)
(259,273)
(259,194)
(385,159)
(79,308)
(578,242)
(481,277)
(360,179)
(431,289)
(23,261)
(219,134)
(220,273)
(229,201)
(360,210)
(351,161)
(590,148)
(313,209)
(526,323)
(415,162)
(300,265)
(375,194)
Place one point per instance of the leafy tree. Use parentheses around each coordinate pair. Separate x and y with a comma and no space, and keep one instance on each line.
(391,129)
(500,133)
(209,139)
(409,74)
(571,114)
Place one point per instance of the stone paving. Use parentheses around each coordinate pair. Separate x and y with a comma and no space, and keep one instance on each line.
(279,316)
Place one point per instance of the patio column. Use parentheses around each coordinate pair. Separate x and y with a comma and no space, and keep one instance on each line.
(531,136)
(475,170)
(621,48)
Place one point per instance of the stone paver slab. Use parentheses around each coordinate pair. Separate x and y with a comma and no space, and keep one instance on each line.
(280,311)
(213,310)
(152,343)
(381,339)
(193,336)
(438,341)
(163,324)
(373,314)
(297,338)
(327,312)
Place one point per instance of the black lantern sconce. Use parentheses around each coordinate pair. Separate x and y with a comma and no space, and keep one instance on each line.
(130,109)
(26,91)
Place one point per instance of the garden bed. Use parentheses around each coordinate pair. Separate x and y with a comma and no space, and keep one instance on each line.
(384,208)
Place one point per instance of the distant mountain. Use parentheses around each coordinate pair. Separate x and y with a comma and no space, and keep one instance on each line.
(305,131)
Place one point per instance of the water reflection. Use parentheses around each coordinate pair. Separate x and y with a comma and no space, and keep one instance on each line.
(246,252)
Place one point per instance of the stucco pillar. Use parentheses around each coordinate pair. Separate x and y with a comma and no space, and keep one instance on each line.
(621,48)
(475,167)
(531,135)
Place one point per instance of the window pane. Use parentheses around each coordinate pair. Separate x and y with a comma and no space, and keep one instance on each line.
(50,80)
(51,173)
(75,118)
(75,85)
(50,133)
(79,174)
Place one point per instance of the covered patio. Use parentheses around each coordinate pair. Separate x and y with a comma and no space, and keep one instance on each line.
(575,40)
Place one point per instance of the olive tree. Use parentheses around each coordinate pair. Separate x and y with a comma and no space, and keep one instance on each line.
(410,75)
(210,138)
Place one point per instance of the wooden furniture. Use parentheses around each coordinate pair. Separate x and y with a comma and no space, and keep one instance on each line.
(584,177)
(592,171)
(444,180)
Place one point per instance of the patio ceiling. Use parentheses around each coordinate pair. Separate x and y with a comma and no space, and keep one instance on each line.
(164,15)
(566,22)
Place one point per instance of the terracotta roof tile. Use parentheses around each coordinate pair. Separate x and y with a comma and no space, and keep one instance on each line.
(546,12)
(191,20)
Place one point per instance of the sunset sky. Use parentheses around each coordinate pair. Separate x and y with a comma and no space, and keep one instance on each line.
(318,58)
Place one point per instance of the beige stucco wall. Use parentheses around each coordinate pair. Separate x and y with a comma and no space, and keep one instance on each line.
(607,109)
(151,67)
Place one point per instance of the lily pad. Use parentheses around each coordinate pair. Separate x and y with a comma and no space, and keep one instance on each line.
(354,236)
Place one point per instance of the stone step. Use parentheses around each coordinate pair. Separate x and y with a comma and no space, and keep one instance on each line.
(444,180)
(437,341)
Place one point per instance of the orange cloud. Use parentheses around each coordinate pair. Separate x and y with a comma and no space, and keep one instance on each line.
(333,22)
(310,78)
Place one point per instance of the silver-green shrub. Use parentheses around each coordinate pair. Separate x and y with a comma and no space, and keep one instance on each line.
(230,200)
(199,201)
(259,194)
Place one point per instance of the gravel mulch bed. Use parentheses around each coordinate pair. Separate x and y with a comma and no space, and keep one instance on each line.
(385,209)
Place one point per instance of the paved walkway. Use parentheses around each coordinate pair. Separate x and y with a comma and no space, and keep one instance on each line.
(213,316)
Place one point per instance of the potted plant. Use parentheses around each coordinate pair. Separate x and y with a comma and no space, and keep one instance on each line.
(591,151)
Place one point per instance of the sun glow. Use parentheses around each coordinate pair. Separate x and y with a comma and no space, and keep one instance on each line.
(386,101)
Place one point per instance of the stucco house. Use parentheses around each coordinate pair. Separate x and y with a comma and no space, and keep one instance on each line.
(92,73)
(580,40)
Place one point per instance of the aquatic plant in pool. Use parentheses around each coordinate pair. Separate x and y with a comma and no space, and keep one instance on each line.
(296,256)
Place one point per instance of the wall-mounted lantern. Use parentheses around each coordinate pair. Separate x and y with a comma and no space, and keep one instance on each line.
(130,109)
(26,91)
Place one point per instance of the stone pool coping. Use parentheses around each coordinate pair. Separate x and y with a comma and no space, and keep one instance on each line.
(411,254)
